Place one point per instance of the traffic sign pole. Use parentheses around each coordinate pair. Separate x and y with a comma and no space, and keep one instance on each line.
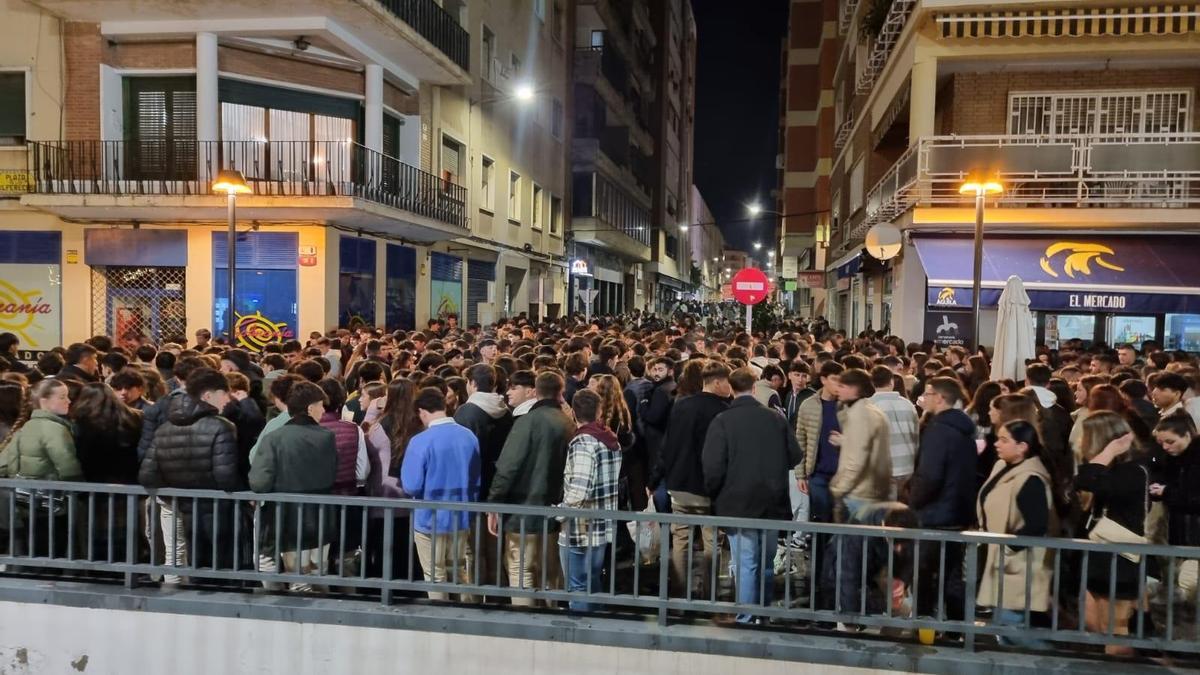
(750,286)
(748,309)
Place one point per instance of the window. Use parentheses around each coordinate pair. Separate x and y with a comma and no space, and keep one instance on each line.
(453,156)
(12,108)
(556,118)
(556,20)
(556,215)
(537,206)
(514,197)
(856,186)
(160,125)
(488,56)
(487,193)
(1105,112)
(597,39)
(539,10)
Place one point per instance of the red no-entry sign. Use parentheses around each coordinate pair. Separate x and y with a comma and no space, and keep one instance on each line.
(750,286)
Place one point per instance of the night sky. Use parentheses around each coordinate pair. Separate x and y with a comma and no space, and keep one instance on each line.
(737,111)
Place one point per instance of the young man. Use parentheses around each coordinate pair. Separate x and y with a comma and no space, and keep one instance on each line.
(942,490)
(195,449)
(530,471)
(130,387)
(280,388)
(902,425)
(748,451)
(797,391)
(83,363)
(818,433)
(576,369)
(485,415)
(442,464)
(679,466)
(155,415)
(521,394)
(1056,421)
(590,481)
(299,457)
(864,473)
(1167,391)
(653,413)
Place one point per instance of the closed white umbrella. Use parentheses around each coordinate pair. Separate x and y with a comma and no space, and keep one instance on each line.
(1014,332)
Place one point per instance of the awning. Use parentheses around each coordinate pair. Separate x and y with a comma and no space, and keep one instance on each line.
(671,282)
(1145,274)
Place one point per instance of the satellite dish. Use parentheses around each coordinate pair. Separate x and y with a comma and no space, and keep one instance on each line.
(883,241)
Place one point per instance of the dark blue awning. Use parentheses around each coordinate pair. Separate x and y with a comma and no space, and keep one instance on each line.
(1147,274)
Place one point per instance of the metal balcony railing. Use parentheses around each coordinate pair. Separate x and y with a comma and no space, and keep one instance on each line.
(436,25)
(276,168)
(1082,171)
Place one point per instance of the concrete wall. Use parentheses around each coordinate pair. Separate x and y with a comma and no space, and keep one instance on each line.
(54,639)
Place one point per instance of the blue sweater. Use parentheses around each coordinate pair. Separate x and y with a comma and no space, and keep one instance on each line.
(442,464)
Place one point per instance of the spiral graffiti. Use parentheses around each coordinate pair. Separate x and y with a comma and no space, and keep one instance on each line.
(255,331)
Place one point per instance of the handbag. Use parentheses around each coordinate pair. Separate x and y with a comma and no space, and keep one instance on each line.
(1105,530)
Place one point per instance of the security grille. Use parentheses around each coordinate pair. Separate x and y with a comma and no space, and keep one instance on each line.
(147,301)
(1107,112)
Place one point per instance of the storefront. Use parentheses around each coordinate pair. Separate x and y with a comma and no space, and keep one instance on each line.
(31,290)
(266,308)
(1110,289)
(139,281)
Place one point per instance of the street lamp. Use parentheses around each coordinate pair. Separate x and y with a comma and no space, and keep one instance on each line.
(683,227)
(523,92)
(981,189)
(754,208)
(232,183)
(757,245)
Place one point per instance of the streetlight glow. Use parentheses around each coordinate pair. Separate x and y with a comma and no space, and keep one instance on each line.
(523,92)
(683,228)
(757,245)
(230,183)
(981,187)
(754,208)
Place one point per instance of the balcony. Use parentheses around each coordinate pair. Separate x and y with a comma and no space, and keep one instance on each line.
(604,69)
(415,37)
(606,216)
(1084,171)
(339,182)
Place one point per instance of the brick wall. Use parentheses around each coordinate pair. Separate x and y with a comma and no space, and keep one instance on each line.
(83,47)
(980,100)
(151,55)
(399,101)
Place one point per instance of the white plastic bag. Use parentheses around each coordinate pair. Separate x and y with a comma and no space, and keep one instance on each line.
(646,537)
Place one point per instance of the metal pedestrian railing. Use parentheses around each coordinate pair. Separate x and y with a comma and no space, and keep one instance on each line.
(796,574)
(271,168)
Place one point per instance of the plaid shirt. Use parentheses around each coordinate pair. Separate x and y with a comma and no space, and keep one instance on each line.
(590,481)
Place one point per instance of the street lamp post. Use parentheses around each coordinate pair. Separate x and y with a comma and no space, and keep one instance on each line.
(232,183)
(981,189)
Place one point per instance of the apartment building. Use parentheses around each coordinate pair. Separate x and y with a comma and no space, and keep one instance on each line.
(674,106)
(368,135)
(706,247)
(1084,114)
(634,82)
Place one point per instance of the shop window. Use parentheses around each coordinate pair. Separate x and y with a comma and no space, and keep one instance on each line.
(1132,330)
(266,285)
(1182,332)
(356,282)
(401,293)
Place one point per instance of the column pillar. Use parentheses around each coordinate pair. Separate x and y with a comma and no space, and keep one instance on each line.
(208,113)
(923,100)
(373,124)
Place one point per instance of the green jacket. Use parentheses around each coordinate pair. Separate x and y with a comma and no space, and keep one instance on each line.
(43,449)
(530,468)
(300,457)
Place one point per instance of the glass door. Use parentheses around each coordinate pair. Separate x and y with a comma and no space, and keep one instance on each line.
(1131,329)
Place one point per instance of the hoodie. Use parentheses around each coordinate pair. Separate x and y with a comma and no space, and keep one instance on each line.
(942,489)
(1045,397)
(524,407)
(590,481)
(486,416)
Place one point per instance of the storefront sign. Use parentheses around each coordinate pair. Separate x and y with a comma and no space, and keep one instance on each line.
(72,256)
(789,267)
(1076,301)
(31,304)
(948,328)
(579,268)
(811,279)
(308,256)
(15,182)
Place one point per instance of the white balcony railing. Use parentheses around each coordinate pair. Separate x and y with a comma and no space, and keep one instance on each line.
(1088,171)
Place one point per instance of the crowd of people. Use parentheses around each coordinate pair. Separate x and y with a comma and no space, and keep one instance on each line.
(633,413)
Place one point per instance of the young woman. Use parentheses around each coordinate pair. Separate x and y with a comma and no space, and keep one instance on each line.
(40,445)
(613,413)
(1174,484)
(1116,493)
(387,438)
(1017,500)
(106,435)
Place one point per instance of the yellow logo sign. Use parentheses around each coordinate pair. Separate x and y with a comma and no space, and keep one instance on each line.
(255,331)
(946,297)
(1079,257)
(19,311)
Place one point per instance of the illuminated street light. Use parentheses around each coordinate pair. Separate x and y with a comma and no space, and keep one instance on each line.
(524,92)
(232,183)
(757,245)
(981,189)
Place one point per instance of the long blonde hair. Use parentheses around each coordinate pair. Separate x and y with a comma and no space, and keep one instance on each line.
(1099,429)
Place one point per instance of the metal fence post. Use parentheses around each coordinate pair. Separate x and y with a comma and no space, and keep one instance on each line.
(664,569)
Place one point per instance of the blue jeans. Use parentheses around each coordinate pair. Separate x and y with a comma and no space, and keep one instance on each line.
(820,499)
(1012,617)
(578,562)
(754,559)
(662,500)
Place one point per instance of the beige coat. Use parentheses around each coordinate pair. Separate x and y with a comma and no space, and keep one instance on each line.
(1000,514)
(865,458)
(808,431)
